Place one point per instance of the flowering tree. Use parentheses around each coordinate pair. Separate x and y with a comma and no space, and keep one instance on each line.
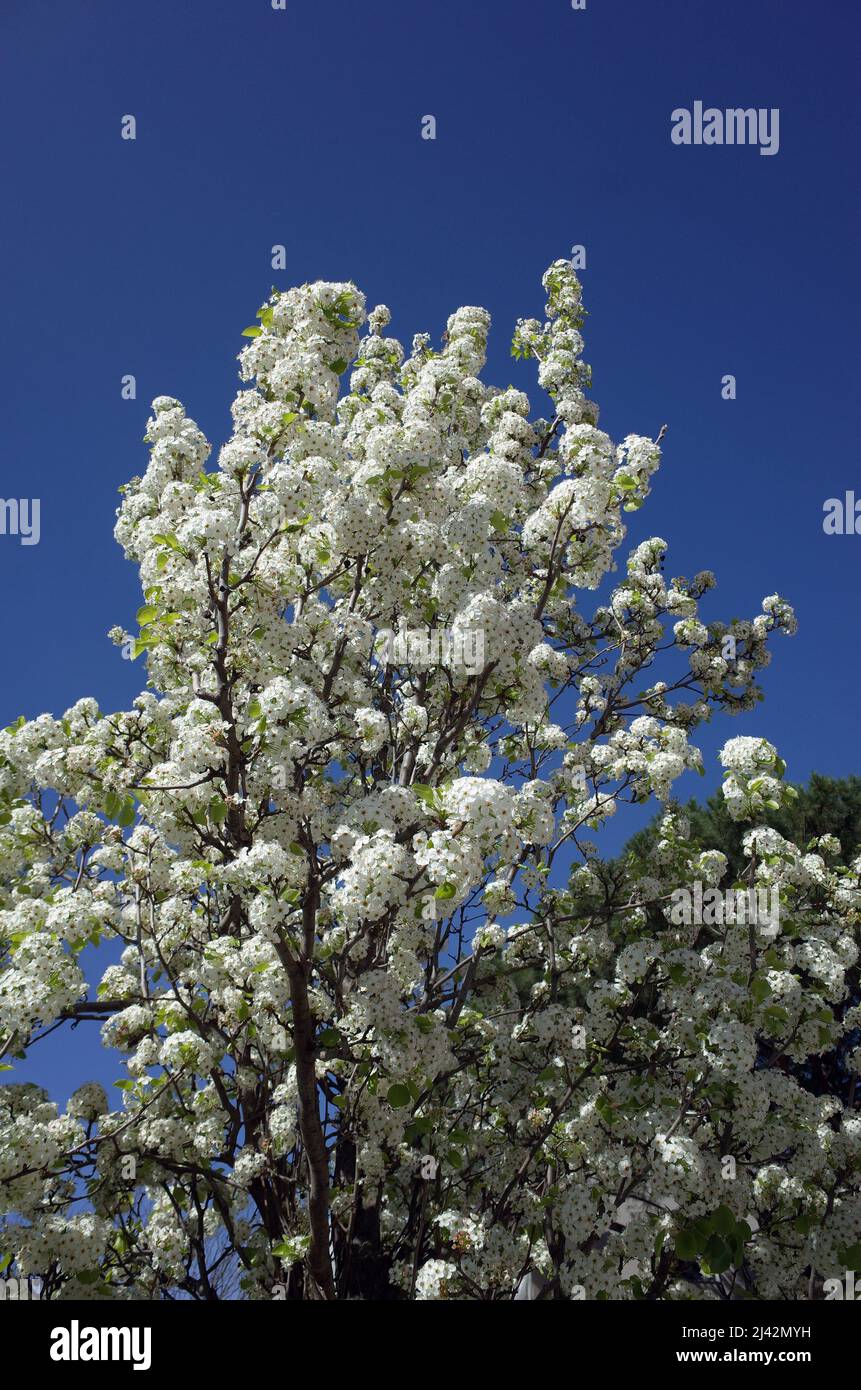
(390,1029)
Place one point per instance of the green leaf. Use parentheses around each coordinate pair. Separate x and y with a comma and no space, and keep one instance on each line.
(253,331)
(776,1015)
(425,793)
(760,988)
(687,1244)
(717,1256)
(147,614)
(445,891)
(330,1037)
(398,1096)
(338,366)
(743,1233)
(143,644)
(723,1221)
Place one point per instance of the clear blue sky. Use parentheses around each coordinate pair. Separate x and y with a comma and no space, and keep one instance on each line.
(302,127)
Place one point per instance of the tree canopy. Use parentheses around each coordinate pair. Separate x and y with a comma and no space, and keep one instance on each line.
(365,1047)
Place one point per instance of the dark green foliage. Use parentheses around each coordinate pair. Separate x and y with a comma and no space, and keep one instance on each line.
(826,806)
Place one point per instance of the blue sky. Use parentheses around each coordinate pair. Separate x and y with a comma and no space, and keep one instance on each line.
(303,127)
